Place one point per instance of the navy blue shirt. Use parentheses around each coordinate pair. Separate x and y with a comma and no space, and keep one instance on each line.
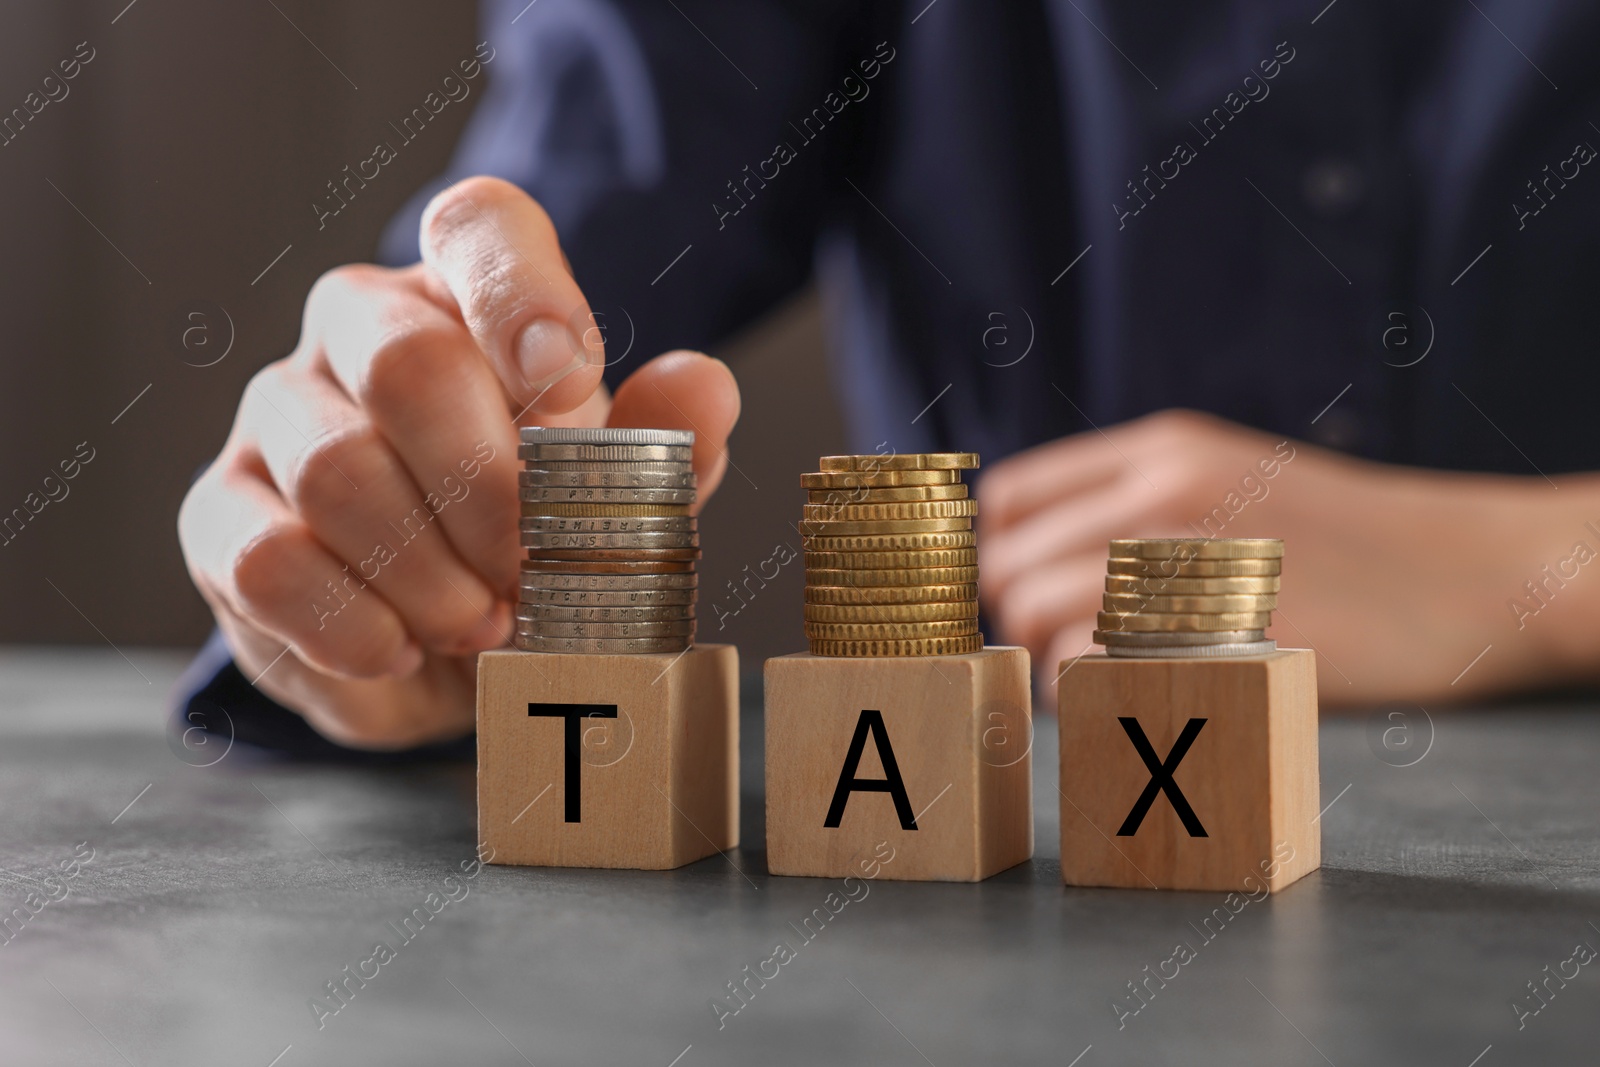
(1041,214)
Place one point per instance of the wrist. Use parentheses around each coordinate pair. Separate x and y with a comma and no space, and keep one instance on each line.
(1553,604)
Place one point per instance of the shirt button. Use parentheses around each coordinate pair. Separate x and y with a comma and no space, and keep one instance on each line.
(1332,186)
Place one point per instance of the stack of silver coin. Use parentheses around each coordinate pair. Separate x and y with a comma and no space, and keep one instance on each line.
(611,541)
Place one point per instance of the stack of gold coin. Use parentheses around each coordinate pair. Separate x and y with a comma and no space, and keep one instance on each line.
(1197,596)
(891,567)
(611,542)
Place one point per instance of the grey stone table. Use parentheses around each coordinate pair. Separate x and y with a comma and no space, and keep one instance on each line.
(220,900)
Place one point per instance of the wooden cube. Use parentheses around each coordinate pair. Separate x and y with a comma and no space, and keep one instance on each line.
(1189,773)
(927,759)
(608,760)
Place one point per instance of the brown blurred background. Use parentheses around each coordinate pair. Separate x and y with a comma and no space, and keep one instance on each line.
(182,162)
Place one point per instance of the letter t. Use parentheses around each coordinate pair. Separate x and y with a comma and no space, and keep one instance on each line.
(572,767)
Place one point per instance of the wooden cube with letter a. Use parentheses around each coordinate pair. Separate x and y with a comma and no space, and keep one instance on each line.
(930,754)
(1189,773)
(608,760)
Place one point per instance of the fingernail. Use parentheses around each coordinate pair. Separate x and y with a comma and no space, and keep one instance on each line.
(547,353)
(408,662)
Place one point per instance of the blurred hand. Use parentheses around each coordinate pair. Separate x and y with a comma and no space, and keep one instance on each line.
(1399,577)
(357,537)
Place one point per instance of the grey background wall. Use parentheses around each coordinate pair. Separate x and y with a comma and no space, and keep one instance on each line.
(180,164)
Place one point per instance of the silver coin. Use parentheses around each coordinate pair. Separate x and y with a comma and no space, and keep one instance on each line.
(535,539)
(607,524)
(665,628)
(592,646)
(612,467)
(627,598)
(589,435)
(629,560)
(543,613)
(1175,638)
(577,479)
(611,453)
(686,582)
(589,494)
(1220,651)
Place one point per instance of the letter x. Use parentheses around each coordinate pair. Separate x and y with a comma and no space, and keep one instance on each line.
(1161,777)
(572,764)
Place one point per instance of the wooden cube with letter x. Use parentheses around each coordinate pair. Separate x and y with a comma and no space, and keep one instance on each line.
(1189,747)
(929,753)
(608,760)
(1188,773)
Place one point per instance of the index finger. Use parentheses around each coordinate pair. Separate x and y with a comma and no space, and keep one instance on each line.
(495,252)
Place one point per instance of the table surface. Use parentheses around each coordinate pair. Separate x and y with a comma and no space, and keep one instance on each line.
(1457,866)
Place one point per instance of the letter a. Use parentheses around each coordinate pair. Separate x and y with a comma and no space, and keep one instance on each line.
(871,721)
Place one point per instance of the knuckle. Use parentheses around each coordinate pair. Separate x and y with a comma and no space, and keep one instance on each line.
(255,404)
(190,521)
(465,203)
(1011,608)
(406,362)
(997,490)
(326,474)
(368,655)
(264,571)
(331,295)
(262,383)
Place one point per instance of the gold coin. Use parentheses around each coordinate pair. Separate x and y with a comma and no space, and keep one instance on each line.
(1151,621)
(858,579)
(568,510)
(1195,568)
(925,646)
(916,542)
(910,461)
(890,594)
(882,561)
(905,509)
(877,479)
(1153,586)
(883,526)
(955,491)
(889,631)
(1185,548)
(890,613)
(1205,605)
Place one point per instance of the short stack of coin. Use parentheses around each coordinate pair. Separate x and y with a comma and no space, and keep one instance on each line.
(891,567)
(610,539)
(1193,597)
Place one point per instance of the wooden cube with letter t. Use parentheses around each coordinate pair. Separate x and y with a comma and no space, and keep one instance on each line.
(608,760)
(1181,773)
(932,754)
